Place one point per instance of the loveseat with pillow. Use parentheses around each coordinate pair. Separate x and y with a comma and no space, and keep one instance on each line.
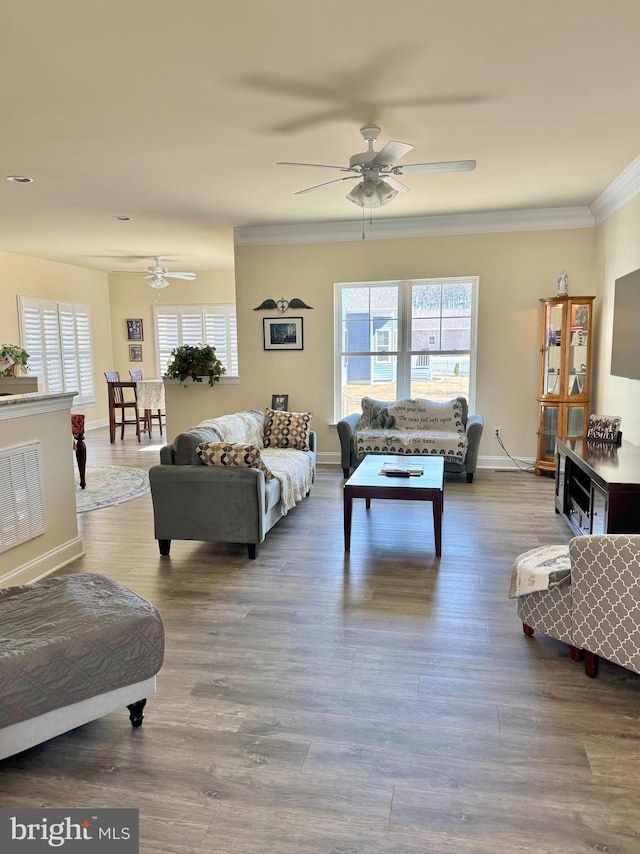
(230,479)
(414,427)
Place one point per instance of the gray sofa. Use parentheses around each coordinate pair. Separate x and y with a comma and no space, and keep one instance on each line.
(194,501)
(390,440)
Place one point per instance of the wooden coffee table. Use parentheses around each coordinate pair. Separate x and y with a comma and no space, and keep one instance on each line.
(367,482)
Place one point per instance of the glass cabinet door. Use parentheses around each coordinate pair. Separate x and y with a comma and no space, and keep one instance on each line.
(552,347)
(576,421)
(548,431)
(578,349)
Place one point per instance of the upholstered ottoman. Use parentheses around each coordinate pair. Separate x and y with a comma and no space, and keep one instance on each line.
(73,649)
(541,582)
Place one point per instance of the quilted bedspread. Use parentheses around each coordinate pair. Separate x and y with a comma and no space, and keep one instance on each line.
(63,640)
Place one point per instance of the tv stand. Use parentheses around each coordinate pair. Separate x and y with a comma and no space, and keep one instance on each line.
(598,486)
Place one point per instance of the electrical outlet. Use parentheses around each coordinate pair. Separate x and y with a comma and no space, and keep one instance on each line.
(496,432)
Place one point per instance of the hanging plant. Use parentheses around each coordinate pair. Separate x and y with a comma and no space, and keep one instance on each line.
(192,362)
(13,360)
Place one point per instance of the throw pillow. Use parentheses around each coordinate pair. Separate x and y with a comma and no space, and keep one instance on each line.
(419,415)
(287,429)
(375,413)
(233,454)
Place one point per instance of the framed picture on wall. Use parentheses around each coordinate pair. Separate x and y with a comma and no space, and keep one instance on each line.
(134,330)
(280,402)
(282,333)
(135,352)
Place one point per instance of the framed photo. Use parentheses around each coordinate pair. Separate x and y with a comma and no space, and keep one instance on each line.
(280,402)
(135,352)
(282,333)
(134,330)
(604,428)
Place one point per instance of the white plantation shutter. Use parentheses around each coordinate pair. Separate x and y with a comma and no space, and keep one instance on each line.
(213,325)
(57,337)
(221,333)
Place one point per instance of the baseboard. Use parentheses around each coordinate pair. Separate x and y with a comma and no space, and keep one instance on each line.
(93,425)
(504,463)
(324,458)
(44,564)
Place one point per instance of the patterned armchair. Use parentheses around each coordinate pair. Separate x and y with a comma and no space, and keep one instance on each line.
(605,579)
(595,608)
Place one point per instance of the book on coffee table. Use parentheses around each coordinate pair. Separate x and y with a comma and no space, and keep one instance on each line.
(402,469)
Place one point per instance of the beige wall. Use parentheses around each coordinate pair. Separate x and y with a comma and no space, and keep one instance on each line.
(131,297)
(22,276)
(617,253)
(515,270)
(60,543)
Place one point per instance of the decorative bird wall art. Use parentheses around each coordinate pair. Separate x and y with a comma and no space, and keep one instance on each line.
(281,304)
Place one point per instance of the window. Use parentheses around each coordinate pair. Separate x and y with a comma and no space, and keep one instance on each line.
(403,339)
(57,336)
(213,325)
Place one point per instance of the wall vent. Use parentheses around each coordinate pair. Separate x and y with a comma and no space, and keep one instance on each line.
(21,495)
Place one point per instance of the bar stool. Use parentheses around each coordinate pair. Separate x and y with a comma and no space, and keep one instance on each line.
(119,403)
(149,414)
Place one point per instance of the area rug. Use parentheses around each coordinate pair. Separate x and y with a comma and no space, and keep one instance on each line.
(108,485)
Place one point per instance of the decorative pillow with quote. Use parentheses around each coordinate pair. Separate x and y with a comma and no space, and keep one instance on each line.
(233,454)
(419,415)
(287,429)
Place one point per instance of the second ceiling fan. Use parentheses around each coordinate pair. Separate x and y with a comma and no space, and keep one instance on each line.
(377,171)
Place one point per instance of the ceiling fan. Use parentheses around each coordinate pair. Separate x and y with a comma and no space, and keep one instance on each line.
(378,173)
(157,277)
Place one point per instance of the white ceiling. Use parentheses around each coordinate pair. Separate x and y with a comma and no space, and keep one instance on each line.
(175,113)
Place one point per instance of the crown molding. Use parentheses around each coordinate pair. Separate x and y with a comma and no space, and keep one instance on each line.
(424,226)
(620,191)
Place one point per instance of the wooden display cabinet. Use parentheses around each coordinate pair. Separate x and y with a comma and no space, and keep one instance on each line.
(564,386)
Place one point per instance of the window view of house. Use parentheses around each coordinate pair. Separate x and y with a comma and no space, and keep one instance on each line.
(404,339)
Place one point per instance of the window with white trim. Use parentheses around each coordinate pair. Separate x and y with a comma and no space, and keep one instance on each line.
(208,325)
(413,338)
(57,337)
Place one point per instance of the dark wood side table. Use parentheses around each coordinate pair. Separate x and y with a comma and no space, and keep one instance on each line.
(367,482)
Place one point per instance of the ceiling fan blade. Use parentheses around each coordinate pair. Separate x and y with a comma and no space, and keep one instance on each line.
(397,185)
(326,184)
(315,165)
(391,152)
(444,166)
(189,277)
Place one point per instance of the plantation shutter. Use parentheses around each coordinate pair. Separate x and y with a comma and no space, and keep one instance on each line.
(213,325)
(221,333)
(57,337)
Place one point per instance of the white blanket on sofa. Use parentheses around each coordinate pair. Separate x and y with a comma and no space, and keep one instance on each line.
(294,470)
(245,428)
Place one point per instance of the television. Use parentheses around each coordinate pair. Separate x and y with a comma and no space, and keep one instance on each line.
(625,346)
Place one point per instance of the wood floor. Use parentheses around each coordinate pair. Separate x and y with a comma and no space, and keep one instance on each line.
(385,702)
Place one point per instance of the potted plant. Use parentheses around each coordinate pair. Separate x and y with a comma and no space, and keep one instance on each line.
(13,360)
(195,362)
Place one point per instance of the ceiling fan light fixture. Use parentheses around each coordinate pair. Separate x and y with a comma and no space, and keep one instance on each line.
(372,194)
(157,282)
